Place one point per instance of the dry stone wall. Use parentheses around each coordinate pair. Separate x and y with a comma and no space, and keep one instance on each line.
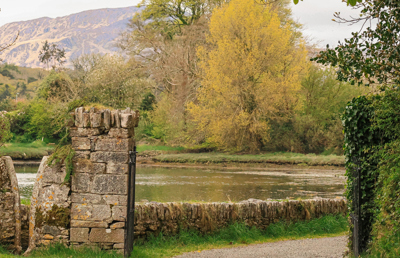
(10,216)
(152,218)
(102,140)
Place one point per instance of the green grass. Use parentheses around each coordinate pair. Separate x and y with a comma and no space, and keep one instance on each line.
(34,150)
(60,251)
(26,202)
(239,234)
(188,241)
(142,148)
(276,158)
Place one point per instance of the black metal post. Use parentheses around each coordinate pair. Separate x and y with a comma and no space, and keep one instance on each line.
(130,221)
(356,216)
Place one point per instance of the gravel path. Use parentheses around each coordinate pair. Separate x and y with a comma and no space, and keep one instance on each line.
(332,247)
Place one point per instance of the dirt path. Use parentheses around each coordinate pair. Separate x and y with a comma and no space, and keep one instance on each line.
(332,247)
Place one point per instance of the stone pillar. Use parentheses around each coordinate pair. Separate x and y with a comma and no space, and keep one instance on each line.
(10,217)
(49,216)
(102,140)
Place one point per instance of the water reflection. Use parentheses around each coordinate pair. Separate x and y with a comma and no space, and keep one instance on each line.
(183,184)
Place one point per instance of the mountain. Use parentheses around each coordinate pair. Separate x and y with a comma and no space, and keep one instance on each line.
(93,31)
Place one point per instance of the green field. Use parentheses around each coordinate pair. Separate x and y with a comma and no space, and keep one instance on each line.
(274,158)
(26,151)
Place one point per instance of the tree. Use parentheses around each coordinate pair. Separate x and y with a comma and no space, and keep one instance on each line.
(4,128)
(251,73)
(50,53)
(371,56)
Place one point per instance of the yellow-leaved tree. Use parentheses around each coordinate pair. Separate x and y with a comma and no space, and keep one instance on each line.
(251,73)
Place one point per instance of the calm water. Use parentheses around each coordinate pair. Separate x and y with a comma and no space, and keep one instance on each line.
(182,184)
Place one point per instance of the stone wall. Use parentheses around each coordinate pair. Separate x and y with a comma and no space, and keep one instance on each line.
(102,140)
(10,217)
(49,215)
(152,218)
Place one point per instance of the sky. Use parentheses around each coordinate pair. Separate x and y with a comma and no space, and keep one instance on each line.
(316,15)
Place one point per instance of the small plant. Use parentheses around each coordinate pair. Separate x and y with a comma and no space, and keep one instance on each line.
(63,154)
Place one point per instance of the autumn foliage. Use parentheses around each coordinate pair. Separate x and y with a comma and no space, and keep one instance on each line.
(251,69)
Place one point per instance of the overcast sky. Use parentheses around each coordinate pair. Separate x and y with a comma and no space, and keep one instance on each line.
(316,15)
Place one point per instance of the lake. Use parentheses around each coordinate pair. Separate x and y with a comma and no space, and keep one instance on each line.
(214,185)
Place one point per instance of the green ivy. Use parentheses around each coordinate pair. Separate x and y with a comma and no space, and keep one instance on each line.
(372,146)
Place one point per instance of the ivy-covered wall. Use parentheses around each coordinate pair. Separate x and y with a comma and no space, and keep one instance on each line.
(372,139)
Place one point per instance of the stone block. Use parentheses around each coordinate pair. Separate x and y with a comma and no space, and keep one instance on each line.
(81,211)
(119,246)
(80,143)
(107,119)
(81,182)
(86,120)
(79,234)
(96,119)
(82,155)
(87,166)
(53,194)
(115,119)
(84,132)
(52,230)
(79,116)
(119,213)
(114,157)
(88,224)
(54,174)
(87,198)
(117,225)
(116,200)
(100,235)
(113,168)
(114,144)
(48,237)
(121,132)
(101,212)
(127,121)
(110,184)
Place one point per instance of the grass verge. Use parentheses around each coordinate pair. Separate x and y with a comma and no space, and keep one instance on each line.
(188,241)
(275,158)
(142,148)
(34,150)
(239,234)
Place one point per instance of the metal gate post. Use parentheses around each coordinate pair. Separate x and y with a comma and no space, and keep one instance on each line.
(356,216)
(130,222)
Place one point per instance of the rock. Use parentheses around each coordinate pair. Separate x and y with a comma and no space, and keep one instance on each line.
(81,183)
(119,213)
(100,235)
(101,212)
(48,237)
(127,120)
(117,225)
(110,184)
(79,234)
(121,132)
(113,168)
(114,157)
(80,143)
(87,166)
(114,144)
(88,224)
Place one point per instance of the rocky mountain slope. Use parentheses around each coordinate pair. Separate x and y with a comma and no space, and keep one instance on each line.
(93,31)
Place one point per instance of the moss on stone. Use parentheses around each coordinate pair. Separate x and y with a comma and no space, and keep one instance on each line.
(56,216)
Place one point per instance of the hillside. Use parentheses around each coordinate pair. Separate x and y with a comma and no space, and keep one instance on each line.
(92,31)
